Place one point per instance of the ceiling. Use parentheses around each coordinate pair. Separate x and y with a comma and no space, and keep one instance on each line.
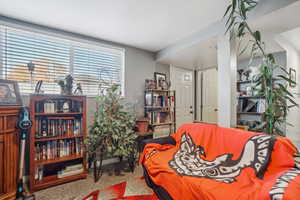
(147,24)
(204,54)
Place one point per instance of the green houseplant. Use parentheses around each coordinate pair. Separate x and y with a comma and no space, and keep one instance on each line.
(112,133)
(268,85)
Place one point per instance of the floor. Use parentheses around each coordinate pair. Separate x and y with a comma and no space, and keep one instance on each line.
(78,189)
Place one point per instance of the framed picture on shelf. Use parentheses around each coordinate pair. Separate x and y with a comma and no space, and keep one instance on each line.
(293,77)
(9,93)
(160,80)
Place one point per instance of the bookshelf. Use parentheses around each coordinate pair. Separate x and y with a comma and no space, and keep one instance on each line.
(251,108)
(56,140)
(160,110)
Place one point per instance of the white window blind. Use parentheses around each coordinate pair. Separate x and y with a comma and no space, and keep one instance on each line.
(53,58)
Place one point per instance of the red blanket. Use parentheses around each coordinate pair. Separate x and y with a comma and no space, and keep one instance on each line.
(211,163)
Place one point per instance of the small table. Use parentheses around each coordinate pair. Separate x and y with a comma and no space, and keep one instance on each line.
(141,137)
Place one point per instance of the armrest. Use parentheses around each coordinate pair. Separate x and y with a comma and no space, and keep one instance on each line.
(162,141)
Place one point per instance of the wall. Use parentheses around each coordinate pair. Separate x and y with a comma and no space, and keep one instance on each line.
(279,56)
(289,41)
(163,68)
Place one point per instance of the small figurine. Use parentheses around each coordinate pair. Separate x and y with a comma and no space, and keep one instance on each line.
(38,86)
(240,72)
(247,74)
(78,89)
(66,85)
(66,107)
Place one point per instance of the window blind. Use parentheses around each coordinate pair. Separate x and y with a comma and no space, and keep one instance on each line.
(53,58)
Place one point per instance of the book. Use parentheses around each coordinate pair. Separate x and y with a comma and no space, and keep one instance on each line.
(69,173)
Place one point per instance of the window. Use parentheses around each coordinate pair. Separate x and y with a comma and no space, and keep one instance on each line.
(28,57)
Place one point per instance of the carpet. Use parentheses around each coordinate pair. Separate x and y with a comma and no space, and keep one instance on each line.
(135,189)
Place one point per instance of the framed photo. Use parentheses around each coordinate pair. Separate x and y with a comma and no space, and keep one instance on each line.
(160,79)
(293,76)
(9,93)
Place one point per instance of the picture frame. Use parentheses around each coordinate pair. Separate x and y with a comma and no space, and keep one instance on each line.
(159,78)
(9,93)
(293,76)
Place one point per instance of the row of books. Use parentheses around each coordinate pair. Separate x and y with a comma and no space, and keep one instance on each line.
(58,106)
(58,148)
(47,127)
(158,100)
(65,172)
(161,117)
(249,105)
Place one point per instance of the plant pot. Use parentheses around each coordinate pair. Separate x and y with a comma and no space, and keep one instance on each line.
(142,126)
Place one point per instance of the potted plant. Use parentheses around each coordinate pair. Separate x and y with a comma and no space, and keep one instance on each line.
(267,84)
(112,133)
(142,125)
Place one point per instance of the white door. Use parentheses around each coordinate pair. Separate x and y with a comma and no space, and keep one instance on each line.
(209,95)
(182,82)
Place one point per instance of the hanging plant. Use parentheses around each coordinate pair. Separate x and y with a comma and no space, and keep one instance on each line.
(268,84)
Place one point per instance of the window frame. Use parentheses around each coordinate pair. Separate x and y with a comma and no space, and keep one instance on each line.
(83,41)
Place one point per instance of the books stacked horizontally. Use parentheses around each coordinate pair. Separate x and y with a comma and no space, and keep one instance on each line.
(70,171)
(58,148)
(161,131)
(53,127)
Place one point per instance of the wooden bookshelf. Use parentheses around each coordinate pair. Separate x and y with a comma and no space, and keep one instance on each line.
(160,109)
(56,139)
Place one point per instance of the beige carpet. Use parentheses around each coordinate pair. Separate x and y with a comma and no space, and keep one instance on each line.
(76,190)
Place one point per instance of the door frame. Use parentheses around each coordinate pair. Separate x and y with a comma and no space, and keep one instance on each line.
(172,80)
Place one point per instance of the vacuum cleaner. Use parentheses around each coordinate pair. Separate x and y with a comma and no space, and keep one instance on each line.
(24,124)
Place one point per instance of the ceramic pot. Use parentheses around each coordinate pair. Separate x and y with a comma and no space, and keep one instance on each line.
(142,125)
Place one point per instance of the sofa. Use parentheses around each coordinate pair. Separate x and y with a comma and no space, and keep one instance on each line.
(207,162)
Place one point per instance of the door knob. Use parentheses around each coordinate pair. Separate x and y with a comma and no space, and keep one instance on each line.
(216,109)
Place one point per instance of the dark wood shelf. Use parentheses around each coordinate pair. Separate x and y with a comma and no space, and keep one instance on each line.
(57,160)
(57,114)
(244,82)
(250,97)
(162,107)
(160,124)
(249,113)
(156,90)
(58,138)
(54,180)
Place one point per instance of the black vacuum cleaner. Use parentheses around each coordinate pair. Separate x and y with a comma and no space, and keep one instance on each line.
(24,124)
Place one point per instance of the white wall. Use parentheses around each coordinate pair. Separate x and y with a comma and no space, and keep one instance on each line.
(293,61)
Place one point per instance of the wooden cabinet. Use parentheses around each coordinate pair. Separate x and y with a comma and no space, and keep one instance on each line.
(9,151)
